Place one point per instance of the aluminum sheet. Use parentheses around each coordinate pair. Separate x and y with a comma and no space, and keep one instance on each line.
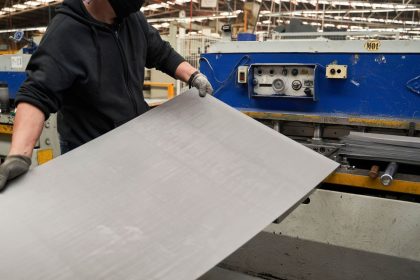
(166,196)
(402,149)
(387,139)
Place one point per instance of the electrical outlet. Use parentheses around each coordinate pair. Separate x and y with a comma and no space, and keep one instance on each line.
(335,71)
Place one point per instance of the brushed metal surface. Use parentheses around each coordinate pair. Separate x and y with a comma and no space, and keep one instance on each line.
(166,196)
(394,148)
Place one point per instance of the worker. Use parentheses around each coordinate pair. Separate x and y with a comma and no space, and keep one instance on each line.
(89,68)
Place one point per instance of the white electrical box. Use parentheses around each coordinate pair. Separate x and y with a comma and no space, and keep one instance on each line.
(242,74)
(335,71)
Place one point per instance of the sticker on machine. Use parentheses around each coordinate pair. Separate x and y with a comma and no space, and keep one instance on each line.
(16,62)
(373,45)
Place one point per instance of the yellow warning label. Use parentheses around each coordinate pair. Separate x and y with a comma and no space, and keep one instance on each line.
(6,129)
(44,156)
(373,45)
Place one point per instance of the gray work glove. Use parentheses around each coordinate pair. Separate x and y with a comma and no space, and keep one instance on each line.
(203,85)
(13,167)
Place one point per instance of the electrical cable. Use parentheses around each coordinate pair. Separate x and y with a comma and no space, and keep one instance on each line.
(416,87)
(243,60)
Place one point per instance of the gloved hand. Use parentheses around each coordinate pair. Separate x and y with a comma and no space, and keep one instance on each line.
(203,85)
(13,167)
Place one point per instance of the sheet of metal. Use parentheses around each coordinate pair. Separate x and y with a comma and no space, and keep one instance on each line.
(386,139)
(166,196)
(402,149)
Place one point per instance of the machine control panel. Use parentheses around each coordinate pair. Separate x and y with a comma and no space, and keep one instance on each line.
(283,80)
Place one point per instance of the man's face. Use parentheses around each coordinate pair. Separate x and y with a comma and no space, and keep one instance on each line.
(124,8)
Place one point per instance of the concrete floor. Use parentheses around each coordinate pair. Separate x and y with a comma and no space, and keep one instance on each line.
(218,273)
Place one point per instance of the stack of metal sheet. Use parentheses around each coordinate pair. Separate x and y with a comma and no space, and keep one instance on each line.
(166,196)
(402,149)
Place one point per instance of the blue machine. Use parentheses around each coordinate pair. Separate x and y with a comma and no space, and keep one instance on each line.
(382,79)
(12,71)
(14,80)
(19,36)
(319,91)
(12,66)
(328,95)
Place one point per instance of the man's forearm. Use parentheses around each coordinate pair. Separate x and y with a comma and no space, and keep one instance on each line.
(184,71)
(27,128)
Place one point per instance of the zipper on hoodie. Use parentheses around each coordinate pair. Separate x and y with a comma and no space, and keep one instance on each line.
(125,66)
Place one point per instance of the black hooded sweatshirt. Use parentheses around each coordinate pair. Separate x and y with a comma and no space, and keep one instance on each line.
(91,73)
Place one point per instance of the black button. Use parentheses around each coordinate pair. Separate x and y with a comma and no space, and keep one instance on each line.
(308,91)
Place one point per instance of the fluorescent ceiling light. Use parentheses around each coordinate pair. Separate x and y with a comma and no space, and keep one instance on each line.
(32,3)
(8,9)
(351,3)
(20,6)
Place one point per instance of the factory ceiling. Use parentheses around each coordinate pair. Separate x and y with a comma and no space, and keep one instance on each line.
(391,15)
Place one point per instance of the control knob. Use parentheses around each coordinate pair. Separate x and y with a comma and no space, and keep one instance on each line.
(308,91)
(278,85)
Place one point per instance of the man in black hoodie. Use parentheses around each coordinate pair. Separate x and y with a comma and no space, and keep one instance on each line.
(89,68)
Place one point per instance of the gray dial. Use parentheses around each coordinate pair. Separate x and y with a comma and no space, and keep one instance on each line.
(278,85)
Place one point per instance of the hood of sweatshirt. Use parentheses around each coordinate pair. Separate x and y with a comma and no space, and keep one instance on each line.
(77,10)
